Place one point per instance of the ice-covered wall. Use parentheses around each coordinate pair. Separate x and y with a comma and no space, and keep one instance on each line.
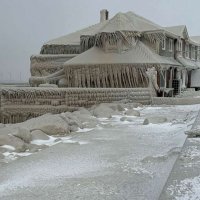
(20,104)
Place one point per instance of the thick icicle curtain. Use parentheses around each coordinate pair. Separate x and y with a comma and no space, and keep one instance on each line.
(106,76)
(126,37)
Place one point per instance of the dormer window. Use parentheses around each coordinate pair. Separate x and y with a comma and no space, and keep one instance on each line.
(163,44)
(170,45)
(187,50)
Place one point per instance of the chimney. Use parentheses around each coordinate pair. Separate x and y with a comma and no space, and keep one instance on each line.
(104,15)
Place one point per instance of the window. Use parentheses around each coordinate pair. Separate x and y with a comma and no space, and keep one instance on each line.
(193,52)
(198,53)
(187,50)
(163,44)
(179,47)
(170,45)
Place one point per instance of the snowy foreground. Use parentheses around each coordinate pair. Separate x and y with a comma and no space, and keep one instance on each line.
(101,158)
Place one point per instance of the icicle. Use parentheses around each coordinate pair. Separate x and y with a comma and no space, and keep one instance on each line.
(128,75)
(111,77)
(75,78)
(131,75)
(103,77)
(124,78)
(83,77)
(119,77)
(115,77)
(80,77)
(87,76)
(97,71)
(106,77)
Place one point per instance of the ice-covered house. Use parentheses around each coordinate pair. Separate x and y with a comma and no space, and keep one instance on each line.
(114,53)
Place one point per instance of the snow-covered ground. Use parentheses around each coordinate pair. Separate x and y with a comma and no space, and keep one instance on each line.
(187,189)
(114,160)
(184,180)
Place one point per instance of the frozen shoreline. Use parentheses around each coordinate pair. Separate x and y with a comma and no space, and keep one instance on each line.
(136,154)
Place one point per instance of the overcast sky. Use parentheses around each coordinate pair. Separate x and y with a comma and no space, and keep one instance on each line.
(26,24)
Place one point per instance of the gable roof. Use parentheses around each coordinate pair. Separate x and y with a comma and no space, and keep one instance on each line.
(180,31)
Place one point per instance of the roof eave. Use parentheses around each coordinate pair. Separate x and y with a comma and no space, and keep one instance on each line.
(168,33)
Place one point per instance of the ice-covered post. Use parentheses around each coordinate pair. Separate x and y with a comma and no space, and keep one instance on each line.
(153,85)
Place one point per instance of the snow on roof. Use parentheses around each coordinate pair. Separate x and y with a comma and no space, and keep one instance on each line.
(74,38)
(138,54)
(188,63)
(195,39)
(120,22)
(141,23)
(180,30)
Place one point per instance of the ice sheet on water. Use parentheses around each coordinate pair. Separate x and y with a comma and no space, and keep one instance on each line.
(8,147)
(13,155)
(83,130)
(49,142)
(71,141)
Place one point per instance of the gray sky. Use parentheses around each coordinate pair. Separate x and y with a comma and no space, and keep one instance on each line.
(26,24)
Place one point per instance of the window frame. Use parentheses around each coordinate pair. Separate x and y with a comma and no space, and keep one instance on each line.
(187,50)
(198,53)
(180,47)
(170,45)
(163,44)
(193,52)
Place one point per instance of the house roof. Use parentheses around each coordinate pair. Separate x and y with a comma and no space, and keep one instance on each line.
(74,38)
(120,22)
(188,63)
(141,23)
(180,31)
(138,54)
(195,39)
